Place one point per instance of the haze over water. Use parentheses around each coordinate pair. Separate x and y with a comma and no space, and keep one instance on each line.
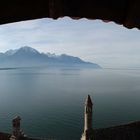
(51,101)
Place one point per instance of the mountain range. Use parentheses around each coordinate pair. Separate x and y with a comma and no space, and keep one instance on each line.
(28,57)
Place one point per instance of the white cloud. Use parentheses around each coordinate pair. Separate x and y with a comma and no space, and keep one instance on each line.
(108,44)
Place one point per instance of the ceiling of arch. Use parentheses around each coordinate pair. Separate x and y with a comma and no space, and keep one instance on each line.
(126,12)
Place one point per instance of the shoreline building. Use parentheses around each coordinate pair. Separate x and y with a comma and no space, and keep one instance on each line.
(88,131)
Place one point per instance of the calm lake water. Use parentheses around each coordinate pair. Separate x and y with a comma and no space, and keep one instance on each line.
(51,101)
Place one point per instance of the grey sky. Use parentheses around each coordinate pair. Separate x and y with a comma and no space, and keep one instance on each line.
(107,44)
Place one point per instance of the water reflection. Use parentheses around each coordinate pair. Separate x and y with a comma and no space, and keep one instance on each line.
(50,101)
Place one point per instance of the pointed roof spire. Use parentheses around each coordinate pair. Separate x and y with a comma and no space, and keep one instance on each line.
(17,118)
(88,101)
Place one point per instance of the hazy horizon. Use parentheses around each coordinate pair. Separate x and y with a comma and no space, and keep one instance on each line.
(107,44)
(50,100)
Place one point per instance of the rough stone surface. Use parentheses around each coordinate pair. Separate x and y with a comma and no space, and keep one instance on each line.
(87,134)
(129,131)
(126,12)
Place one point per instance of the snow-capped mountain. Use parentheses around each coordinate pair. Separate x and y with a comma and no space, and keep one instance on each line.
(27,56)
(10,52)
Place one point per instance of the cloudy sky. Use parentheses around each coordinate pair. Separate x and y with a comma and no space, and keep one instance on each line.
(107,44)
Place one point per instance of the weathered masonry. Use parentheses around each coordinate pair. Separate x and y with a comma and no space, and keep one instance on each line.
(126,12)
(129,131)
(87,134)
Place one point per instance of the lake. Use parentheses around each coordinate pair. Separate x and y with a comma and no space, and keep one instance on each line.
(50,101)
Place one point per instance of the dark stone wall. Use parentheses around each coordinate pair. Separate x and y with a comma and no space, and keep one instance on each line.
(4,136)
(126,12)
(129,131)
(123,132)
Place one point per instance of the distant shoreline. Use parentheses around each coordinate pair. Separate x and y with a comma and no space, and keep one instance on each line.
(49,66)
(8,68)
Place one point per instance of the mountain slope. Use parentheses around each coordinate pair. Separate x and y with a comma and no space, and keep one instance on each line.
(27,56)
